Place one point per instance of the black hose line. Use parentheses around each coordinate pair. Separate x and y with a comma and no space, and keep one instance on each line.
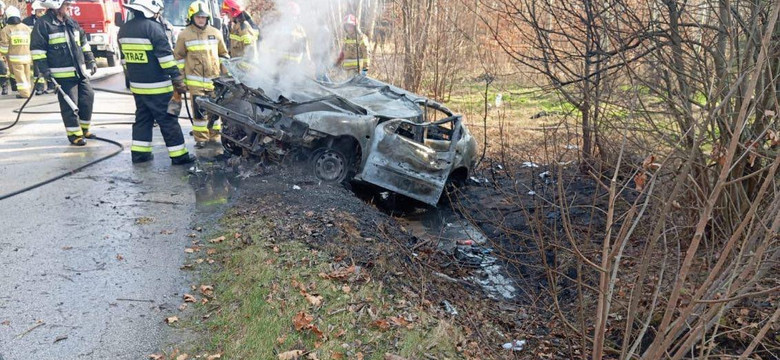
(70,172)
(19,114)
(120,147)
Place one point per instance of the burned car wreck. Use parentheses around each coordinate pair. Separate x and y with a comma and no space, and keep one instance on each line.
(362,130)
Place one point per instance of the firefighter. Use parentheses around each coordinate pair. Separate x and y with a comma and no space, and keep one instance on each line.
(15,47)
(38,11)
(243,33)
(354,57)
(199,48)
(60,51)
(298,49)
(153,77)
(3,66)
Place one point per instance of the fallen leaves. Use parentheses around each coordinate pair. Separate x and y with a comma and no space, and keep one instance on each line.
(217,240)
(290,355)
(190,298)
(171,320)
(313,300)
(389,356)
(640,181)
(119,257)
(207,290)
(774,138)
(352,273)
(191,250)
(303,321)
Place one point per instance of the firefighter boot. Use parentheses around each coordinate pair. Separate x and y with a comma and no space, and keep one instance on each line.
(77,140)
(141,157)
(183,159)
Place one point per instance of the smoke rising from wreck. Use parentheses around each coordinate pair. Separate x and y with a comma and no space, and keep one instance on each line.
(321,22)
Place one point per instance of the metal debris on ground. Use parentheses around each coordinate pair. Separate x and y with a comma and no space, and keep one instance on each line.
(449,308)
(515,345)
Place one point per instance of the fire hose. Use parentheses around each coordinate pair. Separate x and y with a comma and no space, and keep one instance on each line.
(74,107)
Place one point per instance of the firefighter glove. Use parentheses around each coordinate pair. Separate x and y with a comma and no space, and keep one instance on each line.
(46,74)
(92,66)
(178,84)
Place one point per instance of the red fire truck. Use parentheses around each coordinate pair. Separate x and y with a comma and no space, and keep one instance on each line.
(100,19)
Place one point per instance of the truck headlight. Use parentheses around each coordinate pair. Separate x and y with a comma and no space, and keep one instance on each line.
(98,38)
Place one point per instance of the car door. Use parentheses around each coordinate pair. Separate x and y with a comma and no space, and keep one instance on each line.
(413,159)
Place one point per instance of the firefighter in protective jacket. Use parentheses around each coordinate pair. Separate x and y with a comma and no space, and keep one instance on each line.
(354,56)
(38,11)
(153,77)
(3,66)
(199,48)
(15,47)
(60,51)
(243,36)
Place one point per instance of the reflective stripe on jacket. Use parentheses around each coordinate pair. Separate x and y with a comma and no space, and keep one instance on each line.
(198,52)
(146,54)
(356,52)
(60,45)
(15,43)
(242,39)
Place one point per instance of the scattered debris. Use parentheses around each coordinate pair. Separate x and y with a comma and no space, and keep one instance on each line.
(60,338)
(37,325)
(171,319)
(449,308)
(296,187)
(515,345)
(529,164)
(144,220)
(135,300)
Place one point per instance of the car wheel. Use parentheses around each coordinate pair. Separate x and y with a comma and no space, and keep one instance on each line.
(331,165)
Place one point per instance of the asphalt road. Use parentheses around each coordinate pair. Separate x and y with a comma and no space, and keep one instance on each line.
(91,263)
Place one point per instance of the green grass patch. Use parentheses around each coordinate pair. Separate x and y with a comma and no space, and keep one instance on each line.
(266,289)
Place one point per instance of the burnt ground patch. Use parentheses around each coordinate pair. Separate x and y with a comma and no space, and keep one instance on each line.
(364,227)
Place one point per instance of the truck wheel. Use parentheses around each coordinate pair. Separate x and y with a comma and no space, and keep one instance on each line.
(111,59)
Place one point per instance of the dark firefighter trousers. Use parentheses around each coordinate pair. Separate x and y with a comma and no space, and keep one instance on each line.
(80,91)
(151,108)
(3,73)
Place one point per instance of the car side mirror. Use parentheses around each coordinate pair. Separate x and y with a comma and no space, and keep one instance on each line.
(118,19)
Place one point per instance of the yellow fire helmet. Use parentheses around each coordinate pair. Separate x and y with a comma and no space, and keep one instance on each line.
(198,8)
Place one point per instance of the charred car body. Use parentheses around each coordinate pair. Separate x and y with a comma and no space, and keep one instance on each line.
(363,130)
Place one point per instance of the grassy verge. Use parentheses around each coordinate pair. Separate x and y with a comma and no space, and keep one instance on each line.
(272,297)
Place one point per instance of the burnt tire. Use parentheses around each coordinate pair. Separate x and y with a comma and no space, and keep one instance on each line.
(331,165)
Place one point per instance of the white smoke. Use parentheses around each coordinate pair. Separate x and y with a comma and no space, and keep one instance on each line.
(271,70)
